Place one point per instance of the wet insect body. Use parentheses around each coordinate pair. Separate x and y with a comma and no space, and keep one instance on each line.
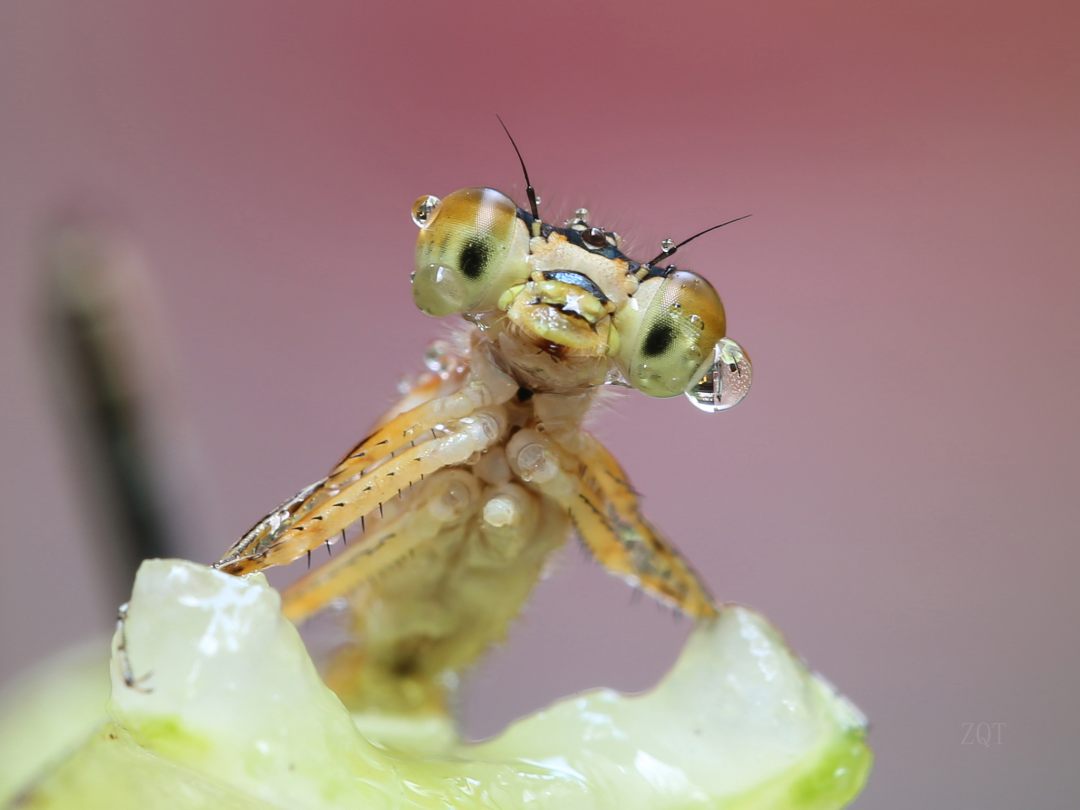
(455,501)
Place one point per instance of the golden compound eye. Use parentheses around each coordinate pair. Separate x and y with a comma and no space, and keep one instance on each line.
(669,340)
(425,210)
(471,247)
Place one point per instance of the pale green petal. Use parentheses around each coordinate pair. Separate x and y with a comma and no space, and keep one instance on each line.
(236,716)
(51,710)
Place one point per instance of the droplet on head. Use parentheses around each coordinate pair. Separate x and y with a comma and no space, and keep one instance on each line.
(582,214)
(594,237)
(725,382)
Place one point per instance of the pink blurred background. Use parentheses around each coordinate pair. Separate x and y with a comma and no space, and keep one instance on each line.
(899,493)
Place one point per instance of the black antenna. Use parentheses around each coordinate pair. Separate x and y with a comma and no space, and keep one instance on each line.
(529,190)
(671,251)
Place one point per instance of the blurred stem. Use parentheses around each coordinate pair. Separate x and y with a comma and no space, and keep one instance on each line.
(89,295)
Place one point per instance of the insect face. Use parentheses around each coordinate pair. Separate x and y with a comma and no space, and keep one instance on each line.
(467,485)
(571,294)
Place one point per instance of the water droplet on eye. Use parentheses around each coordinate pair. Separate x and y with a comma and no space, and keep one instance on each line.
(439,358)
(422,210)
(724,383)
(405,385)
(698,322)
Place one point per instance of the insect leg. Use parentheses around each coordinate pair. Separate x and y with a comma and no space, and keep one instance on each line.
(447,497)
(337,509)
(122,655)
(486,387)
(604,509)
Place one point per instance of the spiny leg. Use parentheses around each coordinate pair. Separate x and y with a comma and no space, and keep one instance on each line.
(444,500)
(336,509)
(604,510)
(488,387)
(485,386)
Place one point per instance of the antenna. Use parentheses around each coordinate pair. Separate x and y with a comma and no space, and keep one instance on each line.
(529,190)
(670,251)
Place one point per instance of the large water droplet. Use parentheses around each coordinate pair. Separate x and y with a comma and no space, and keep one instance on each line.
(723,384)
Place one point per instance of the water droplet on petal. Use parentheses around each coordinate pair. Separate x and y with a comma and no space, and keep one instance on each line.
(724,383)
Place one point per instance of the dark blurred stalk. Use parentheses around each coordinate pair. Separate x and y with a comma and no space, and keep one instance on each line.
(93,294)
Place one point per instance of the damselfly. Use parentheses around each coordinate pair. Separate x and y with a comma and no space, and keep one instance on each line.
(448,511)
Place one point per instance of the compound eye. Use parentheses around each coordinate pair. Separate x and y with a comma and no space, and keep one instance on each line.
(469,244)
(676,336)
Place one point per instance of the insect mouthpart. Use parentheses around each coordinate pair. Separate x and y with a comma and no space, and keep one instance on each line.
(561,307)
(577,279)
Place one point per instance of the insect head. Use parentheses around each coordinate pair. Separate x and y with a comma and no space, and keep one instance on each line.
(569,293)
